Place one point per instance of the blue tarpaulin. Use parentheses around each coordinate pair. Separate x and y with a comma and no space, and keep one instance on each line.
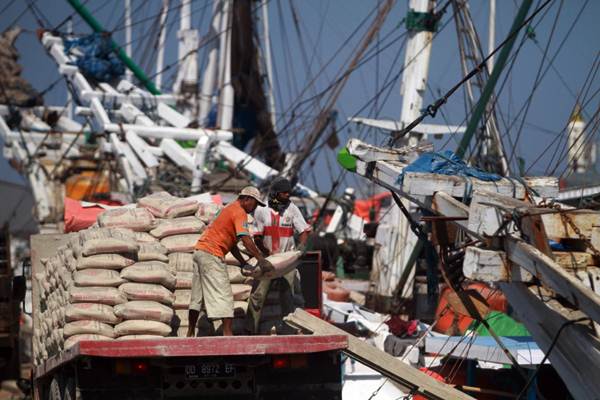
(447,163)
(98,60)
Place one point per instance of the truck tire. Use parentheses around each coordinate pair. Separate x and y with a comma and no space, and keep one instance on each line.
(55,389)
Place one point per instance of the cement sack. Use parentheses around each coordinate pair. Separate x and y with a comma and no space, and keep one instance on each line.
(152,251)
(136,219)
(182,299)
(91,311)
(89,327)
(235,275)
(105,261)
(231,260)
(97,277)
(78,338)
(241,291)
(181,243)
(144,310)
(181,262)
(240,308)
(145,237)
(163,205)
(184,280)
(177,226)
(141,327)
(103,233)
(147,291)
(95,294)
(207,212)
(283,263)
(139,337)
(150,272)
(108,245)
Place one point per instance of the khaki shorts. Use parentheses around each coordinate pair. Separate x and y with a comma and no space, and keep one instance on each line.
(211,289)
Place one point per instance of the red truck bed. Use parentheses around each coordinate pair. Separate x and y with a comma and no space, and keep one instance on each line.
(196,347)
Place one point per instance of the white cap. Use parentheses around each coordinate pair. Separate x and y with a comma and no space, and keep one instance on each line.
(253,192)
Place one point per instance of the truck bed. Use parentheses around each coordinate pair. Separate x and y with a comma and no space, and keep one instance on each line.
(195,347)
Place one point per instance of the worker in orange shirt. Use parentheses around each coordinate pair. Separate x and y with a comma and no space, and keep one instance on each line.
(211,289)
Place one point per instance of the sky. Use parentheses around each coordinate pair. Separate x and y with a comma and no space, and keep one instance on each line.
(318,43)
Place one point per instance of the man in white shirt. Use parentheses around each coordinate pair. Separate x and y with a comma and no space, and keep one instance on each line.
(275,226)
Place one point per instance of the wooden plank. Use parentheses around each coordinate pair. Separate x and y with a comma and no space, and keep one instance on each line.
(177,154)
(142,149)
(448,206)
(576,355)
(492,266)
(553,276)
(574,259)
(557,228)
(406,376)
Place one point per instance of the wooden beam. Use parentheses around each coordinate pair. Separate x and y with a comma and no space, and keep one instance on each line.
(492,266)
(557,228)
(576,354)
(554,276)
(448,206)
(574,259)
(406,376)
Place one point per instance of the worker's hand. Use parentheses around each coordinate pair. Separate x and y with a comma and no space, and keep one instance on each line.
(301,247)
(248,270)
(265,265)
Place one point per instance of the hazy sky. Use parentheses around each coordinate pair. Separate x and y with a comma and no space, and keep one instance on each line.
(322,36)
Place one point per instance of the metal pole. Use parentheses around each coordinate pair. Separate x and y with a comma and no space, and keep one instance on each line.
(128,34)
(96,27)
(160,57)
(268,62)
(491,34)
(491,83)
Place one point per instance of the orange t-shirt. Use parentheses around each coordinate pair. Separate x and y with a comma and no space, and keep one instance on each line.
(222,234)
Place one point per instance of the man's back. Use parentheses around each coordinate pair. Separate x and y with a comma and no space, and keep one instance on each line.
(221,235)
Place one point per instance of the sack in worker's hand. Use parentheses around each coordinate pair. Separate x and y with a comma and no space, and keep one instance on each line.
(149,272)
(89,327)
(181,262)
(207,212)
(181,243)
(97,277)
(235,275)
(147,291)
(241,291)
(144,310)
(164,205)
(282,263)
(136,219)
(182,299)
(178,226)
(71,340)
(152,251)
(91,311)
(95,294)
(104,261)
(142,327)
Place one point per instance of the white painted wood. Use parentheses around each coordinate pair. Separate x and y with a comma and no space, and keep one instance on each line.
(488,210)
(554,276)
(448,206)
(142,149)
(577,350)
(367,152)
(557,228)
(117,149)
(172,116)
(492,266)
(136,166)
(177,154)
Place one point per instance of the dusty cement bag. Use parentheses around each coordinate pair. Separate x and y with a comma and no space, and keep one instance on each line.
(177,226)
(139,337)
(147,291)
(89,327)
(235,274)
(97,277)
(181,262)
(144,237)
(152,251)
(150,272)
(141,327)
(184,280)
(78,338)
(136,219)
(241,291)
(163,205)
(90,311)
(107,240)
(240,308)
(181,243)
(182,299)
(207,212)
(283,263)
(105,261)
(144,310)
(91,294)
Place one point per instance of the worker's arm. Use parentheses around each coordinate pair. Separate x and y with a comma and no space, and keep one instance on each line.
(235,251)
(302,240)
(258,240)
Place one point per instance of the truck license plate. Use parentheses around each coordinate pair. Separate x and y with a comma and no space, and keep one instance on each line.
(209,370)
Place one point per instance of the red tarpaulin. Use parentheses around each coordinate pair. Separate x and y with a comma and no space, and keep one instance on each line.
(78,217)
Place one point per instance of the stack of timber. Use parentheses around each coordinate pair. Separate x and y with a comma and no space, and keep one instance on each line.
(555,294)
